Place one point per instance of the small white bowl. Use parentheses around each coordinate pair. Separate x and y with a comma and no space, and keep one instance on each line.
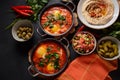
(113,39)
(83,20)
(21,23)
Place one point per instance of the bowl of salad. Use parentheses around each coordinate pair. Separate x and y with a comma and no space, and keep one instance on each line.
(84,43)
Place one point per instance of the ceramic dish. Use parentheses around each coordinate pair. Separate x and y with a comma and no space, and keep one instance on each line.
(48,58)
(83,43)
(102,26)
(54,21)
(22,30)
(108,48)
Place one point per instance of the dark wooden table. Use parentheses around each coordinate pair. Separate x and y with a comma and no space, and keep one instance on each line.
(13,54)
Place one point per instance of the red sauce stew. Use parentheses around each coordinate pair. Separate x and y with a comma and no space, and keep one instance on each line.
(49,57)
(56,20)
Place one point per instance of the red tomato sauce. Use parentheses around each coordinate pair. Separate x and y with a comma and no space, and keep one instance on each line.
(49,57)
(56,20)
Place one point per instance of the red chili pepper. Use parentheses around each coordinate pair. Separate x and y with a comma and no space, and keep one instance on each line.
(20,12)
(81,28)
(28,11)
(22,7)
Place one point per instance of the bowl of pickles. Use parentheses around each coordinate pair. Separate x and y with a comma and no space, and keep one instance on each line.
(22,30)
(108,48)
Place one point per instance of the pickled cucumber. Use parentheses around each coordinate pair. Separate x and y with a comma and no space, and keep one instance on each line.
(108,49)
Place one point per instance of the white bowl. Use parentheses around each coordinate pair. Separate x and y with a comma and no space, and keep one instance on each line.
(113,39)
(83,20)
(18,24)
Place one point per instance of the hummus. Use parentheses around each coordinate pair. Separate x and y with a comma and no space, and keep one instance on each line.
(98,12)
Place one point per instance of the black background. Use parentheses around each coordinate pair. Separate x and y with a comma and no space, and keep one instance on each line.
(13,54)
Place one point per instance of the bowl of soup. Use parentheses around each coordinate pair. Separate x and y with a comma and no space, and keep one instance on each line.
(48,58)
(56,19)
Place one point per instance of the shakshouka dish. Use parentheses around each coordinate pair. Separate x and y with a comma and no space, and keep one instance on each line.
(56,20)
(83,42)
(98,12)
(49,57)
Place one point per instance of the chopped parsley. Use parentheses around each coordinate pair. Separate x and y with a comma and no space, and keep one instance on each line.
(53,57)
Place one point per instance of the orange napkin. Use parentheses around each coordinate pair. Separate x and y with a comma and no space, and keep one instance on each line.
(90,67)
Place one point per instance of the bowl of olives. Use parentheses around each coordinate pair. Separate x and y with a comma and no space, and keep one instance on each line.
(22,30)
(109,48)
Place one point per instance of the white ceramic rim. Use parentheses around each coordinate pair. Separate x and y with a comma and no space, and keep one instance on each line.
(114,40)
(83,20)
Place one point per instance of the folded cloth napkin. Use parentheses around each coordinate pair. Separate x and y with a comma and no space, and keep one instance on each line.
(90,67)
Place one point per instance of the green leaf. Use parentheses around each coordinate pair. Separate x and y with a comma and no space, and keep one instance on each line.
(56,64)
(9,26)
(41,64)
(49,49)
(36,5)
(44,1)
(46,24)
(56,55)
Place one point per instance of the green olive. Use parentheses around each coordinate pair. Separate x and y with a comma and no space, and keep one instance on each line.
(24,32)
(30,29)
(21,29)
(18,31)
(19,35)
(27,37)
(30,34)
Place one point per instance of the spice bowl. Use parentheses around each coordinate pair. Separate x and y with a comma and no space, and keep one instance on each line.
(84,43)
(22,30)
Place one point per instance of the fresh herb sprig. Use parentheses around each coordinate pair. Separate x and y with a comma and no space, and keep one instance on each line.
(53,57)
(51,18)
(36,5)
(114,30)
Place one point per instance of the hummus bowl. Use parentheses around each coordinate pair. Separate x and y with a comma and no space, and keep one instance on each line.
(98,14)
